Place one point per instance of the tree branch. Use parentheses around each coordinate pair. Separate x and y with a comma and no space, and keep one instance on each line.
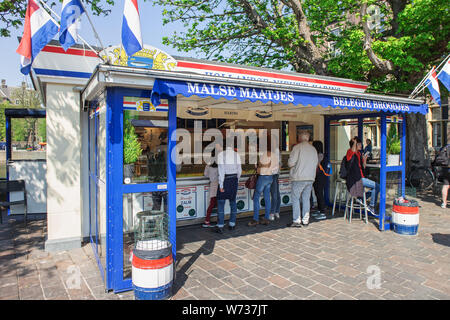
(383,66)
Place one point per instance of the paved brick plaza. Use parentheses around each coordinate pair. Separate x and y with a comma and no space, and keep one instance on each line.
(327,260)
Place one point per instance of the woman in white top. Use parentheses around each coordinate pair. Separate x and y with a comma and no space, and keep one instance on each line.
(268,163)
(211,171)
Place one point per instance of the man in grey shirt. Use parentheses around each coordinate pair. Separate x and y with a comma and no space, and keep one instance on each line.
(302,162)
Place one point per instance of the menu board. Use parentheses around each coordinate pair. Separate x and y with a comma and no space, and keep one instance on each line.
(193,201)
(242,198)
(187,203)
(285,192)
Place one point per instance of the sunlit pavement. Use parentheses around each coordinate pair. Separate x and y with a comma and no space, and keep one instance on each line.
(330,259)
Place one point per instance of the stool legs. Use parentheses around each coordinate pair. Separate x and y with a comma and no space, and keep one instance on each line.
(336,191)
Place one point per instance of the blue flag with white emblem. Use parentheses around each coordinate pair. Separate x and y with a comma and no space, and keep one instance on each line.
(70,22)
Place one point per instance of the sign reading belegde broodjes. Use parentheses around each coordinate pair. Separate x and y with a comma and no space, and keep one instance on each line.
(289,97)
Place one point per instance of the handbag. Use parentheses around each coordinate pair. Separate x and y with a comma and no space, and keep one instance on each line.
(251,181)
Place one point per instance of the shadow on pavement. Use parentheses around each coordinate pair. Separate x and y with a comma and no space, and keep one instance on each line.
(440,238)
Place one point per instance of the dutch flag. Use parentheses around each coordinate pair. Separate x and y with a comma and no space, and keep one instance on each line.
(433,85)
(70,20)
(131,28)
(38,30)
(444,75)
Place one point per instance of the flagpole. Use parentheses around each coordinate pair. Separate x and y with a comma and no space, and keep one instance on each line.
(419,86)
(56,15)
(92,25)
(443,62)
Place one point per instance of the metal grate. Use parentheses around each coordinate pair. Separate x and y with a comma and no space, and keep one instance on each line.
(152,230)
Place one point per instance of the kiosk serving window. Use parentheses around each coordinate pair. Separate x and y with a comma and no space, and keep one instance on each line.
(145,139)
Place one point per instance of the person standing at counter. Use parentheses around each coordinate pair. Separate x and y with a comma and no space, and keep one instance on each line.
(212,172)
(267,163)
(275,188)
(320,181)
(230,170)
(303,162)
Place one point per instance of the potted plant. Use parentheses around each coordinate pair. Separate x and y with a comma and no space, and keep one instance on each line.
(393,146)
(131,150)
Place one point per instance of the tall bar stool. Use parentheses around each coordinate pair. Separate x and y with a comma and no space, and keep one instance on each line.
(355,203)
(340,194)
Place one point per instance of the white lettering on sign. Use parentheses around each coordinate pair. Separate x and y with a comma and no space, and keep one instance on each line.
(245,93)
(369,104)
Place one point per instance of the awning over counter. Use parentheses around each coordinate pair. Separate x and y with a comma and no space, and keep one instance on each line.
(174,87)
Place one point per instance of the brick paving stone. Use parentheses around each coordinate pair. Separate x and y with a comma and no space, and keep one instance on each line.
(219,273)
(180,294)
(323,290)
(202,293)
(234,281)
(317,297)
(343,296)
(211,282)
(299,291)
(327,264)
(54,291)
(262,272)
(8,281)
(241,273)
(9,290)
(367,296)
(440,286)
(227,293)
(227,265)
(279,281)
(33,292)
(251,292)
(325,280)
(303,281)
(257,282)
(275,292)
(347,270)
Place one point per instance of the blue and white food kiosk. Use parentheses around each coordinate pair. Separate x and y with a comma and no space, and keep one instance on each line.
(131,108)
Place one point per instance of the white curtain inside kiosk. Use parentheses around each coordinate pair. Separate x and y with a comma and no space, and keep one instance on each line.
(174,87)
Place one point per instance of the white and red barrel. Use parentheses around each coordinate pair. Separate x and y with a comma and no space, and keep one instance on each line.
(405,217)
(152,273)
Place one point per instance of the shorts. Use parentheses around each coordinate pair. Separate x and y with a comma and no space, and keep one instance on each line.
(444,176)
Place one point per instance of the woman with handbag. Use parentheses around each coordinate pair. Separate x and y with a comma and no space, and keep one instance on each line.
(212,172)
(266,165)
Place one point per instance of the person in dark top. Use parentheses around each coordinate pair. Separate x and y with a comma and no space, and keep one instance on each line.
(320,181)
(354,170)
(356,181)
(368,149)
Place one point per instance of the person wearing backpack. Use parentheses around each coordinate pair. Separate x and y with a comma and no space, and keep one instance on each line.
(320,181)
(443,160)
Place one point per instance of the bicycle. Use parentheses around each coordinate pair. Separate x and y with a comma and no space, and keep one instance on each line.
(422,177)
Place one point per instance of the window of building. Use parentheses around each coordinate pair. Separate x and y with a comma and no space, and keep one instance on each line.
(439,126)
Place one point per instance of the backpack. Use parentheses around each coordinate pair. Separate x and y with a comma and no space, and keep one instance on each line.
(443,157)
(325,167)
(343,170)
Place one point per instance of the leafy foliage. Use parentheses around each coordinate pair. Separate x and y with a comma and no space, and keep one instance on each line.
(393,142)
(131,145)
(12,12)
(406,41)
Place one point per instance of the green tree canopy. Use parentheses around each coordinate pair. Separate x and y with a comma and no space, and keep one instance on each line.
(12,12)
(389,43)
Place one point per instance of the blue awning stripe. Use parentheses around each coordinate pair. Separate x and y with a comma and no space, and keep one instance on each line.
(173,88)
